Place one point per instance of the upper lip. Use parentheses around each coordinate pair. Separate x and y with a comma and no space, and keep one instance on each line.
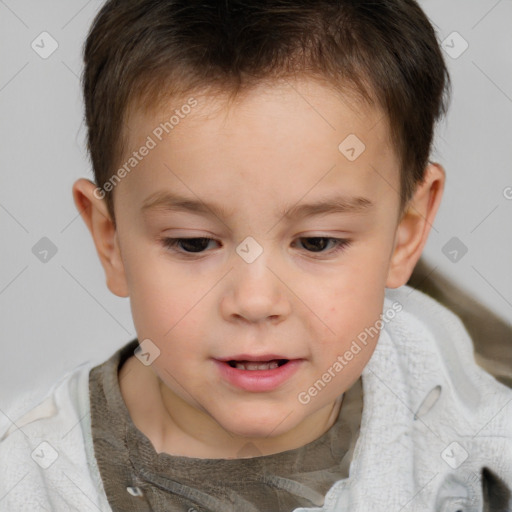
(248,357)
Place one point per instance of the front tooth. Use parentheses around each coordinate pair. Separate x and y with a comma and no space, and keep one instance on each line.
(256,366)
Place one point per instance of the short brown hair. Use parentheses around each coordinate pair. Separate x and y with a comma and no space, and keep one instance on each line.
(142,52)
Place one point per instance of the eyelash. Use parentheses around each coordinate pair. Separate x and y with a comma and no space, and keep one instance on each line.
(340,244)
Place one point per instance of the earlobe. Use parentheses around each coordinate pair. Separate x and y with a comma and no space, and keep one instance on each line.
(94,212)
(414,227)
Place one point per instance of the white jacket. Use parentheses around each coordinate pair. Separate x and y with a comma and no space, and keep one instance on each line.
(431,420)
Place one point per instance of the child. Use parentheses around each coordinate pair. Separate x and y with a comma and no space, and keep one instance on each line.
(262,194)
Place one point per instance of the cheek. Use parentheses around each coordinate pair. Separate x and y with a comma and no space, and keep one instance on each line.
(351,303)
(159,298)
(169,308)
(352,313)
(354,319)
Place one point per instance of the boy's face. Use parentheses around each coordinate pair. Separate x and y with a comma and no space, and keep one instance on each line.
(268,284)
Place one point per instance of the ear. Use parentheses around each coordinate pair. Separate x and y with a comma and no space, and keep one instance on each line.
(93,209)
(414,226)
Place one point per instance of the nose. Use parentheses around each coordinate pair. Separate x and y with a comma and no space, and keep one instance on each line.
(255,291)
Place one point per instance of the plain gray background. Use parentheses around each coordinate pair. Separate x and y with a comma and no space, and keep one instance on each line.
(59,313)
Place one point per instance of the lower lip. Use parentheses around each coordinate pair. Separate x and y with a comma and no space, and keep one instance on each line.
(258,380)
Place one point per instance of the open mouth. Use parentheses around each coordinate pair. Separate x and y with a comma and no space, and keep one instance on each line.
(257,365)
(258,374)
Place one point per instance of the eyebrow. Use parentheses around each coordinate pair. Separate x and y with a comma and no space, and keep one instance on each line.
(167,201)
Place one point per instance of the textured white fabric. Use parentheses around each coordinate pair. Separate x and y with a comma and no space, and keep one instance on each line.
(431,419)
(433,462)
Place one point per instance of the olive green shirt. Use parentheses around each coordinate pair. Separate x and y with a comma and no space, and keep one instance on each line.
(137,478)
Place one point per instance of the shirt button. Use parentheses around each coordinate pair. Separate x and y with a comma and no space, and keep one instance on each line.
(135,491)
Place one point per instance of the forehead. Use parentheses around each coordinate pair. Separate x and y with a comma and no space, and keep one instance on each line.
(293,137)
(335,108)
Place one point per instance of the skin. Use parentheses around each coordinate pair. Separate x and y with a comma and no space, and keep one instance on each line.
(274,148)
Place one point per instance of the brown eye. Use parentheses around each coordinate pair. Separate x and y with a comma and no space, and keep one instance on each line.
(318,244)
(187,245)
